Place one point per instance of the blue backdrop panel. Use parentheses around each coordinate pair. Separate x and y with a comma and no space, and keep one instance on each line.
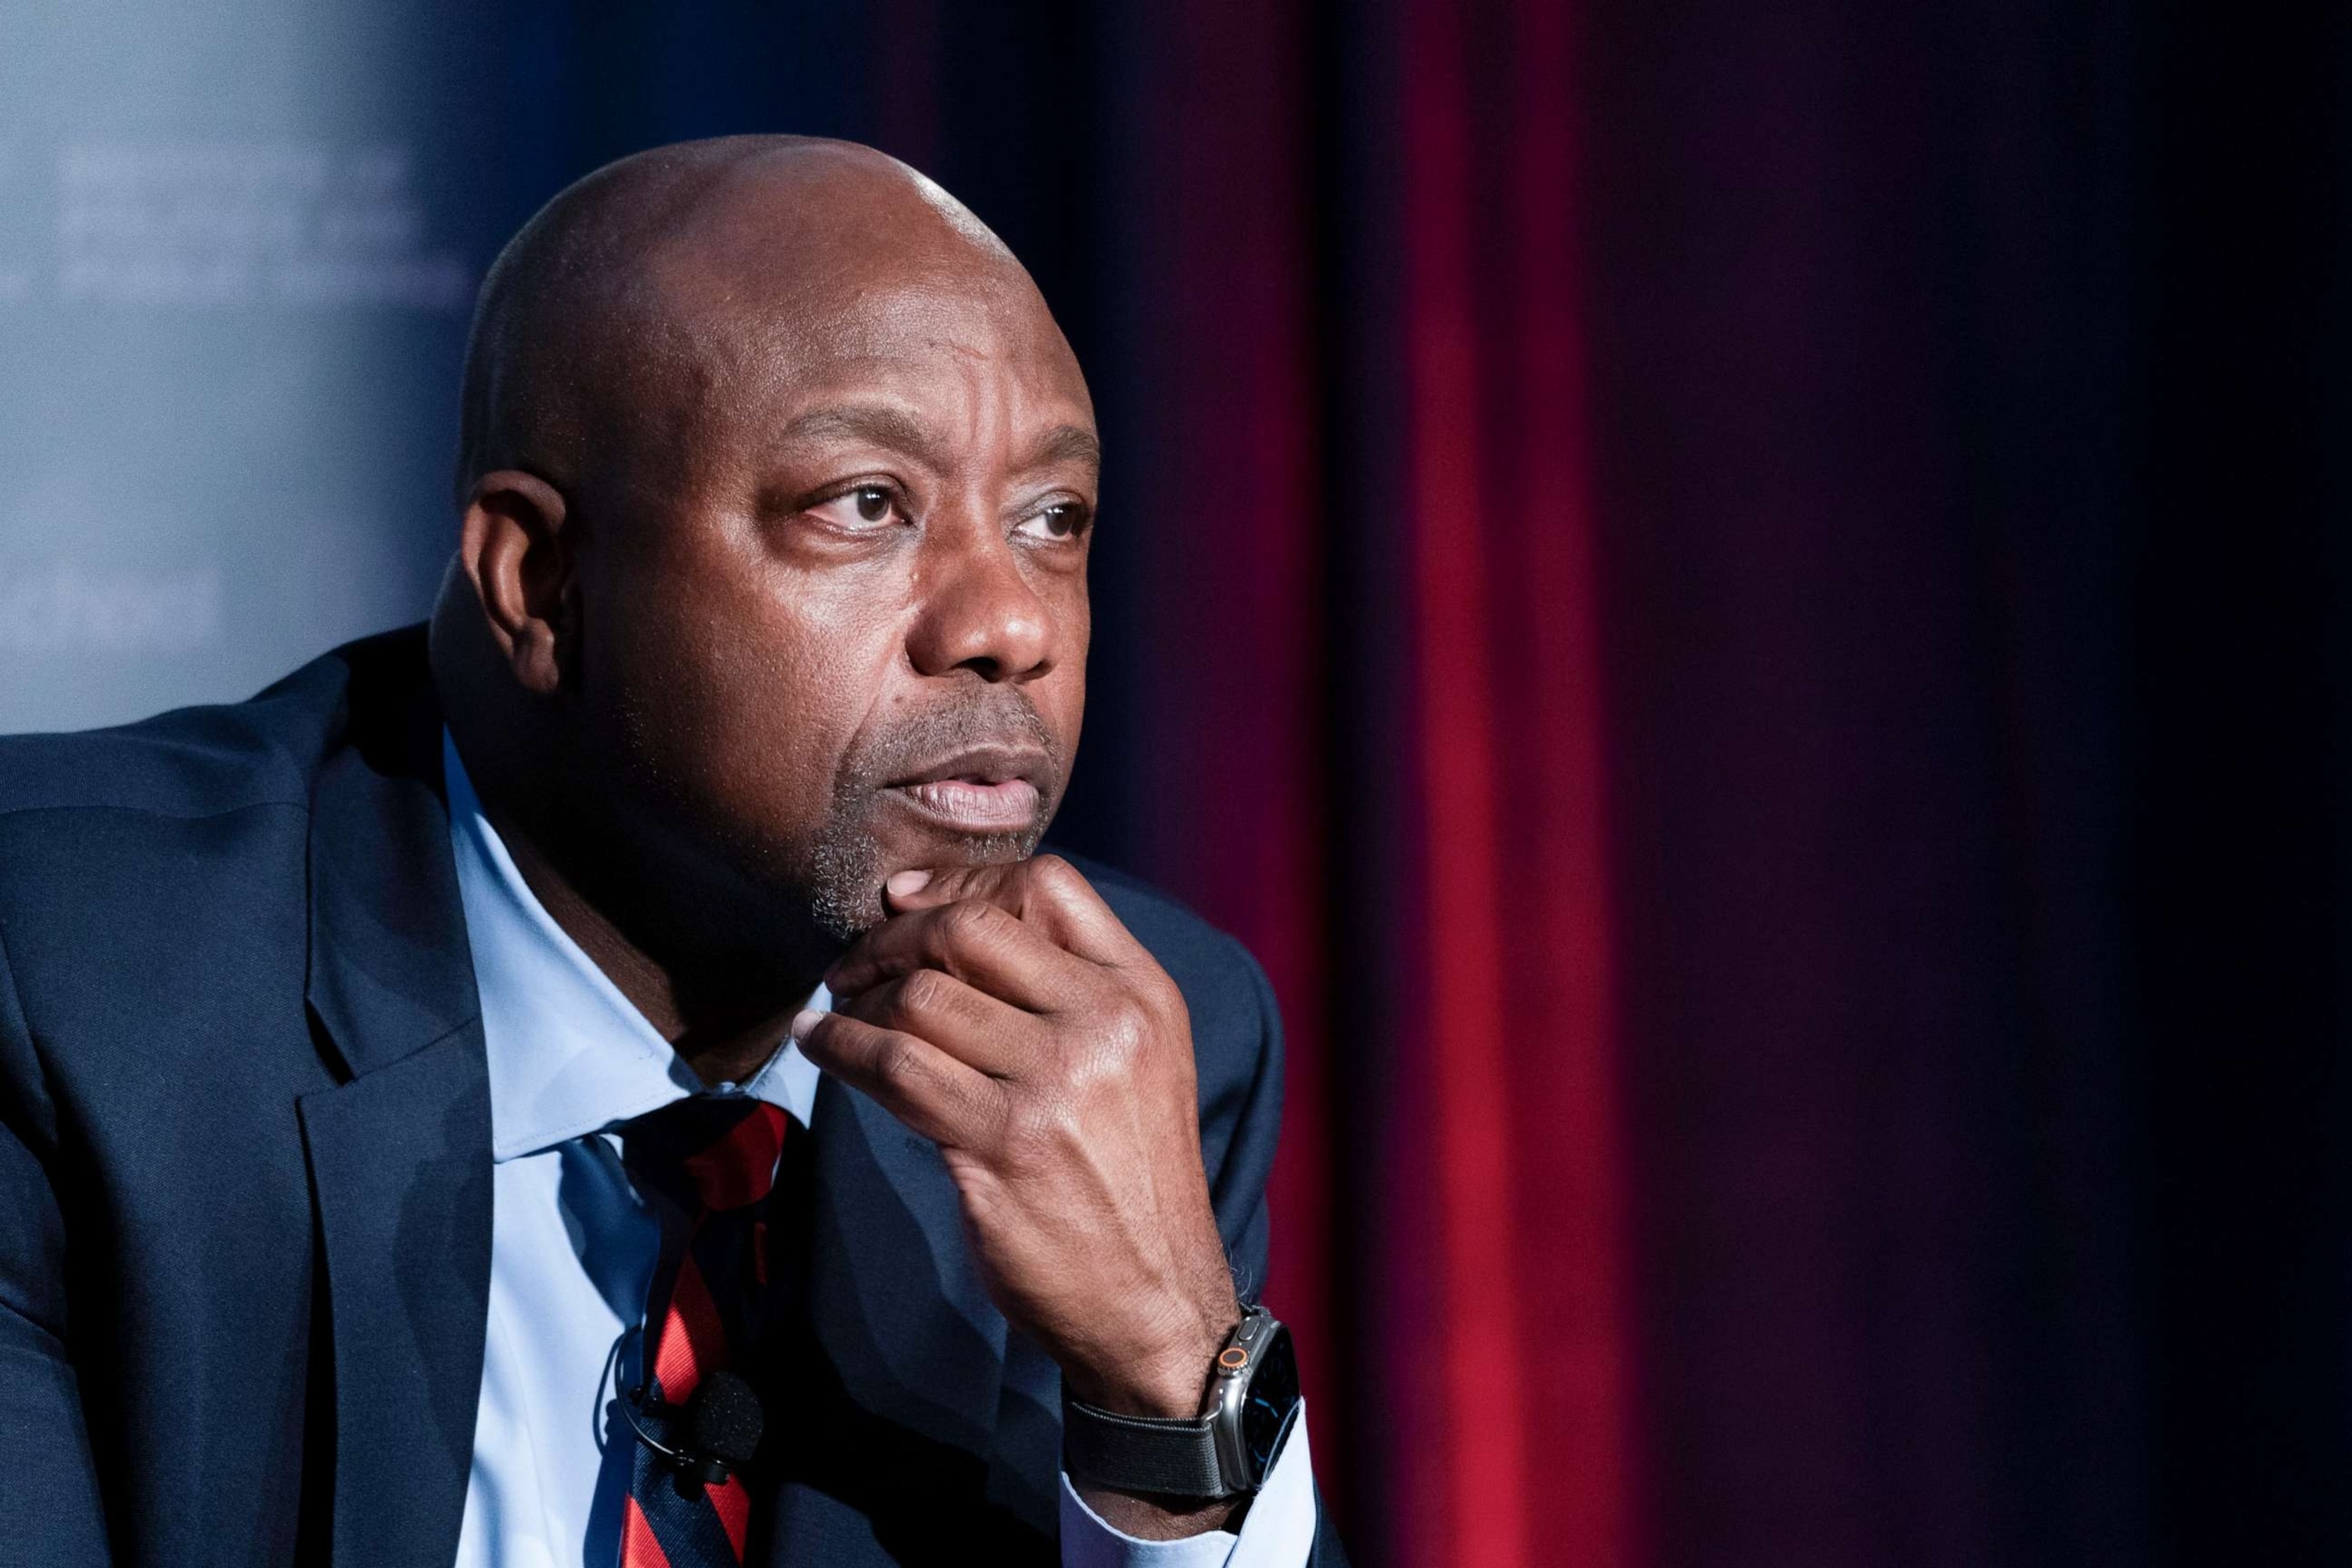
(238,248)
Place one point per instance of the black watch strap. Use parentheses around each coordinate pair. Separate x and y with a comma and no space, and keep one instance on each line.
(1141,1453)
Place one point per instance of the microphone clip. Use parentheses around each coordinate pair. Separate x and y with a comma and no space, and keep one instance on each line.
(722,1422)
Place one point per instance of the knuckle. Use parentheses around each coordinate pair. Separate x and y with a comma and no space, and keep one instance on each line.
(1110,1057)
(1125,1027)
(1054,875)
(895,1065)
(922,991)
(1096,1072)
(965,923)
(1166,1002)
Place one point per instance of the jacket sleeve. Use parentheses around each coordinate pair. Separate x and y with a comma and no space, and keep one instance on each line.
(1237,1183)
(48,1484)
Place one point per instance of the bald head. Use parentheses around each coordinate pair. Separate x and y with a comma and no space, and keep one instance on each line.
(649,278)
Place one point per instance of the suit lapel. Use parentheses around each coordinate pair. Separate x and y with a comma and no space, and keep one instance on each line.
(399,1165)
(400,1153)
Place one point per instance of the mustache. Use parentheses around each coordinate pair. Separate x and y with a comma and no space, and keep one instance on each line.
(994,716)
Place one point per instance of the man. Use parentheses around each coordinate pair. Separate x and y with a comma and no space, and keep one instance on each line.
(609,1082)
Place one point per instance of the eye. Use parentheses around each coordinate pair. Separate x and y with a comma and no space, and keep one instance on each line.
(1055,519)
(865,508)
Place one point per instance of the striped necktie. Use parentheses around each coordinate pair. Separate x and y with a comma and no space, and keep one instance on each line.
(705,1166)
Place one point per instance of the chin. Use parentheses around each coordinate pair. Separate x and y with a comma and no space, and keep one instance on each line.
(847,871)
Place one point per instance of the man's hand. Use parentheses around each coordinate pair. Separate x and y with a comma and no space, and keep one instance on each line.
(1005,1013)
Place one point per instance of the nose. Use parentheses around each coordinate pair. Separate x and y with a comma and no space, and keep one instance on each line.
(979,612)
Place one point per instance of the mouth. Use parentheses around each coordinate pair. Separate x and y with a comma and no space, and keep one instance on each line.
(987,789)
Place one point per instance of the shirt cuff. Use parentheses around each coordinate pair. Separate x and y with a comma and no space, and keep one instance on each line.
(1279,1532)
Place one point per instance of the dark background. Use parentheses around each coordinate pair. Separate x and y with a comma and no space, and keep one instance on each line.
(1744,603)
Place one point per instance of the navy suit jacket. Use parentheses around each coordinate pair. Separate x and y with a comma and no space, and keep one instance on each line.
(245,1173)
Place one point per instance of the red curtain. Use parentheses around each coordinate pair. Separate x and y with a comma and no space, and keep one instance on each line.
(1516,1049)
(1464,1238)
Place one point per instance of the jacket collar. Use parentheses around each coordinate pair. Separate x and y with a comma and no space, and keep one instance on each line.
(389,970)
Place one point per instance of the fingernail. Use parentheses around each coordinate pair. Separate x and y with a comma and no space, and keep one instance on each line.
(803,1022)
(901,883)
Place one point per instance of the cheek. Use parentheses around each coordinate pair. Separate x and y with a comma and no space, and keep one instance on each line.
(740,690)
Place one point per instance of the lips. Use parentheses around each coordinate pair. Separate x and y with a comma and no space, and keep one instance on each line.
(984,790)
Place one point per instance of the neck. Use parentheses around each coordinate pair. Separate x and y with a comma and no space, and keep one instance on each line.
(725,1015)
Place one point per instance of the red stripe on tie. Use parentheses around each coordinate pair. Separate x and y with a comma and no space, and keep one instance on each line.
(692,1337)
(733,1506)
(740,1167)
(638,1547)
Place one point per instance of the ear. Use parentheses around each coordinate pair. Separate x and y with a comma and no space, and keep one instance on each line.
(514,549)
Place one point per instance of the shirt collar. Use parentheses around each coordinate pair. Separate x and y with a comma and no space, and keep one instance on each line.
(568,1054)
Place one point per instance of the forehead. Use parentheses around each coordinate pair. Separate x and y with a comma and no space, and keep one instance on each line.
(772,312)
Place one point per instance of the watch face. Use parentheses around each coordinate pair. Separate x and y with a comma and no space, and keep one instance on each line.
(1272,1392)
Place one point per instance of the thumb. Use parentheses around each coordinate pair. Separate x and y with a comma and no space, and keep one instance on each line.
(925,888)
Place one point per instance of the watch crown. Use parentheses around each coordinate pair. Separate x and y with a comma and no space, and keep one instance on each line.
(1233,1358)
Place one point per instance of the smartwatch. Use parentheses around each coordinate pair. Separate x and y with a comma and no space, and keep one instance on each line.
(1226,1451)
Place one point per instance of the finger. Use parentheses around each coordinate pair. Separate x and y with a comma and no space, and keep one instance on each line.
(973,940)
(1046,891)
(988,1036)
(924,1087)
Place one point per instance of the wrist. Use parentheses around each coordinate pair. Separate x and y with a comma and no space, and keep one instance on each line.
(1169,1379)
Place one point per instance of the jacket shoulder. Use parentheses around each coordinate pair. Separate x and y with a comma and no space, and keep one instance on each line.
(207,760)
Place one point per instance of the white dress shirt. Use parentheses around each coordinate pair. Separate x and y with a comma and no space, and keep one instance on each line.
(573,1249)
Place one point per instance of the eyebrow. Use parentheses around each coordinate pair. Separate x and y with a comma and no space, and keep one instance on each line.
(1066,444)
(901,431)
(884,426)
